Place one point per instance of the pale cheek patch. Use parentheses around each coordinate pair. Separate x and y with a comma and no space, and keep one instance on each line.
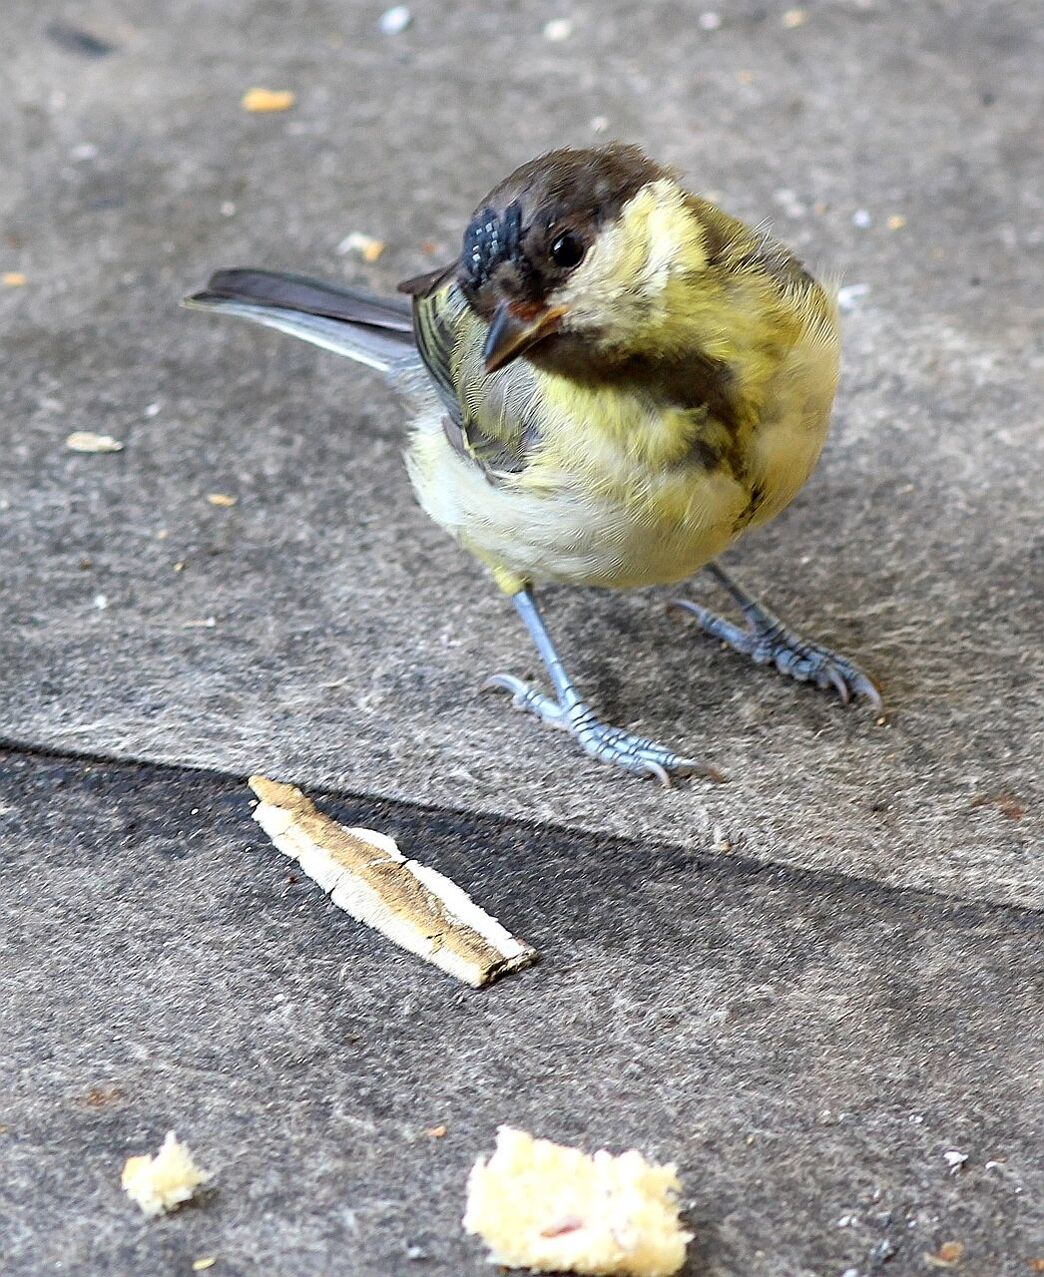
(621,287)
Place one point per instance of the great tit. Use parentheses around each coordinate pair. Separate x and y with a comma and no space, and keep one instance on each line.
(611,383)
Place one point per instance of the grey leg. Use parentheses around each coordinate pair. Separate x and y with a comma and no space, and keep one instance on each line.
(766,640)
(567,711)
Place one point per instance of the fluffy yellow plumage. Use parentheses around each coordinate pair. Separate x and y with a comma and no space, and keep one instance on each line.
(613,381)
(623,471)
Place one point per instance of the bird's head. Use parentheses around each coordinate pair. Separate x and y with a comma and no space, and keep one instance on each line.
(571,258)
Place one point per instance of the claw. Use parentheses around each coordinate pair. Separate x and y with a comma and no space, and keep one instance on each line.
(654,769)
(840,684)
(766,640)
(865,686)
(506,683)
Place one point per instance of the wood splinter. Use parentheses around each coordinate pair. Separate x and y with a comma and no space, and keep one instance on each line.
(366,875)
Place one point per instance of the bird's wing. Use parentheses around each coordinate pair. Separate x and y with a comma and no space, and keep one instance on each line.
(491,418)
(374,330)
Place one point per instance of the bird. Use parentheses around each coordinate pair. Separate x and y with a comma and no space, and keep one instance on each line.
(612,382)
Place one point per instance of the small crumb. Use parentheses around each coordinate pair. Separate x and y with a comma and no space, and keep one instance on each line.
(599,124)
(850,294)
(896,222)
(207,623)
(1007,804)
(227,208)
(395,21)
(709,21)
(87,441)
(100,601)
(179,566)
(1036,1265)
(436,1132)
(162,534)
(97,1097)
(201,1265)
(152,409)
(162,1182)
(261,101)
(794,18)
(862,218)
(820,207)
(557,30)
(954,1160)
(416,1252)
(13,279)
(368,248)
(84,151)
(745,77)
(428,247)
(222,499)
(949,1255)
(789,202)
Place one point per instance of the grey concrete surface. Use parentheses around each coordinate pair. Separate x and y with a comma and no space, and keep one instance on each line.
(807,1047)
(807,984)
(349,636)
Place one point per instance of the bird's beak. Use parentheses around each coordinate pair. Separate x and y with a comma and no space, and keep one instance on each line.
(516,327)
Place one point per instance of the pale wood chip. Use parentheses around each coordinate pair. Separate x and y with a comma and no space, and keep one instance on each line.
(366,875)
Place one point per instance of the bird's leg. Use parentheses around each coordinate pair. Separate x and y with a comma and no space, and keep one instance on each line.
(567,711)
(766,640)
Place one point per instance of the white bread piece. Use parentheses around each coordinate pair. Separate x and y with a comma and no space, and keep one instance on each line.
(163,1182)
(551,1208)
(366,875)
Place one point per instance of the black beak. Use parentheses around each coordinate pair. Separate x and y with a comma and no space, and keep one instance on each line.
(516,327)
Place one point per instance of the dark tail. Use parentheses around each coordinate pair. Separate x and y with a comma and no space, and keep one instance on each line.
(373,330)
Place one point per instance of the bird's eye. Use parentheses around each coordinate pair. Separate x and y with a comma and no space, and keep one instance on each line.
(567,251)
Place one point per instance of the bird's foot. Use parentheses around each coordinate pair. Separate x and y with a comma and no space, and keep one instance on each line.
(635,754)
(767,641)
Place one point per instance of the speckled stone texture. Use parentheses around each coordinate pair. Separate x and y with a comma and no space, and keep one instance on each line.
(840,929)
(350,637)
(807,1047)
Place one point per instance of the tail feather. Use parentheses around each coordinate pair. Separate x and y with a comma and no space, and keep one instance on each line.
(373,330)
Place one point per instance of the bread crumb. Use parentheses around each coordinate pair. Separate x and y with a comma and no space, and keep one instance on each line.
(552,1208)
(163,1182)
(436,1132)
(795,18)
(261,101)
(14,279)
(949,1255)
(557,30)
(896,222)
(221,499)
(395,21)
(201,1265)
(88,441)
(368,248)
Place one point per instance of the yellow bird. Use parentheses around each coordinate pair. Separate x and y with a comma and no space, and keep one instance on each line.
(612,382)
